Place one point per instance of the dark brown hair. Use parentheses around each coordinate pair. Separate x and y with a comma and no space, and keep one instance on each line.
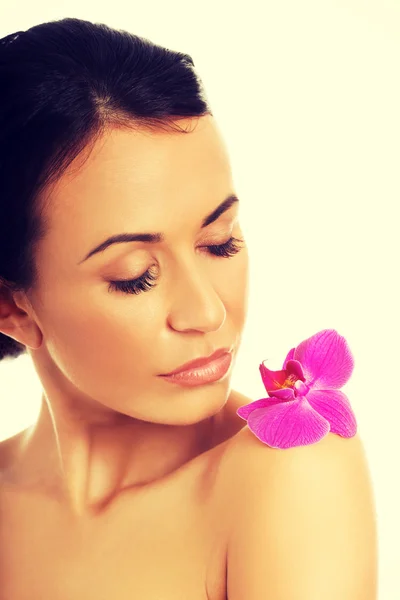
(62,84)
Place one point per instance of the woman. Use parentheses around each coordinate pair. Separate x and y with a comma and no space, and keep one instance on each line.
(121,259)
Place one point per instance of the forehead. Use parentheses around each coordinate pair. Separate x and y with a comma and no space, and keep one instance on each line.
(143,170)
(131,181)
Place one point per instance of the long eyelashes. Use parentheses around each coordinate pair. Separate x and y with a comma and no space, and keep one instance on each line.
(134,286)
(144,282)
(229,248)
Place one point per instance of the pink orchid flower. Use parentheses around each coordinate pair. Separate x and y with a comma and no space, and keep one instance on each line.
(305,402)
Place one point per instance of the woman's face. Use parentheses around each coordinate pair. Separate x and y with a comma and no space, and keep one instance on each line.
(111,344)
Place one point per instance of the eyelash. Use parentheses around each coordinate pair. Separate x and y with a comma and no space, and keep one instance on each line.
(143,283)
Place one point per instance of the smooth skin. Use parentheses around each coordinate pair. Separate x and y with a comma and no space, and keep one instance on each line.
(128,486)
(306,523)
(107,420)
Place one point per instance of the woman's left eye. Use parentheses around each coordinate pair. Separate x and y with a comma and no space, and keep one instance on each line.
(144,282)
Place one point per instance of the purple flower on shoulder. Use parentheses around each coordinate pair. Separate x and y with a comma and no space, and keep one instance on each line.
(304,401)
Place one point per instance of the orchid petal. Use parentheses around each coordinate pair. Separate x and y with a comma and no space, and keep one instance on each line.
(293,367)
(272,380)
(288,424)
(283,394)
(326,359)
(245,410)
(289,356)
(335,407)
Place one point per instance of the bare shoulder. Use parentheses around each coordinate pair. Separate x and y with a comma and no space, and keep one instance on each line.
(331,445)
(296,508)
(248,459)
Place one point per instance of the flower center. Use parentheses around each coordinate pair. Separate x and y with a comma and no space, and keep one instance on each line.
(301,389)
(290,381)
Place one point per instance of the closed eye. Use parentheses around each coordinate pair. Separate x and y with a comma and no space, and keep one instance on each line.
(145,281)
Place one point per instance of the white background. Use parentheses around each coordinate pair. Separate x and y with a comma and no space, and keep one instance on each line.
(307,95)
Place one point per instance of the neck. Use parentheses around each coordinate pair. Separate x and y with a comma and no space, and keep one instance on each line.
(85,464)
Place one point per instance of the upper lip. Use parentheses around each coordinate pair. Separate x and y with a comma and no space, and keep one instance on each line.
(199,362)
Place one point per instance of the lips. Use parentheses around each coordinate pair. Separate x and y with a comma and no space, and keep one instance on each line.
(199,362)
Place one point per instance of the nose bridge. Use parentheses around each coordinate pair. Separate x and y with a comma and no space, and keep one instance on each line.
(195,304)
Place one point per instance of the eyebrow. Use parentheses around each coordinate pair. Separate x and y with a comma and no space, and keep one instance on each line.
(154,238)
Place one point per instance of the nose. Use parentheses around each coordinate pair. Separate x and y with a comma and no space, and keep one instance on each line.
(196,304)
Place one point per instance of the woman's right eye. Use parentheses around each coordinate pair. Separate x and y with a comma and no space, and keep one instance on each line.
(134,286)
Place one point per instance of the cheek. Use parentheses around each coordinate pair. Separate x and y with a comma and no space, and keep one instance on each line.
(100,344)
(126,326)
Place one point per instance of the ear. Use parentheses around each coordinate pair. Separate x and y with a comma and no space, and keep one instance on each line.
(16,320)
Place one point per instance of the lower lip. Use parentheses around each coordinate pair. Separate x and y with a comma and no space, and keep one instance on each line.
(213,371)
